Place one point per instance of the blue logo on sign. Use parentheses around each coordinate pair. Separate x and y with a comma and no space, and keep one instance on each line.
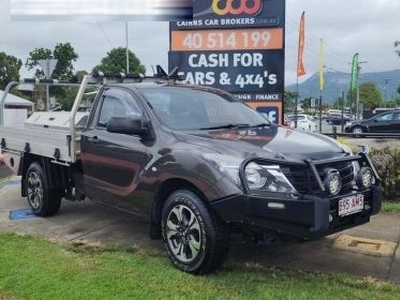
(270,112)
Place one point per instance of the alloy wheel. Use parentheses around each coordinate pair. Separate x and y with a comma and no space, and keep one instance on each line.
(35,190)
(183,233)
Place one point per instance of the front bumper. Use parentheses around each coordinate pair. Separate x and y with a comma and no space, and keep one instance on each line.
(306,218)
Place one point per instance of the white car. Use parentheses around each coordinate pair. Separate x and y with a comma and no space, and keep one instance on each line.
(304,122)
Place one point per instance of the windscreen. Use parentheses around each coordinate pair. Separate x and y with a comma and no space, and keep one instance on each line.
(184,108)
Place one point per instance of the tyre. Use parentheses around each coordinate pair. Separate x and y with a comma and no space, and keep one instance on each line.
(357,130)
(42,200)
(194,239)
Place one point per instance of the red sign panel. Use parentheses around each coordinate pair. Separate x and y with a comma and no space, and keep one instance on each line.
(239,39)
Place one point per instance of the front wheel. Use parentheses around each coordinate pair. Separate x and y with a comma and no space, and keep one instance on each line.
(42,200)
(193,237)
(357,130)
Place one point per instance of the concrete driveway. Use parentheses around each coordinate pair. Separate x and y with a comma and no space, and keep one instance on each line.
(368,250)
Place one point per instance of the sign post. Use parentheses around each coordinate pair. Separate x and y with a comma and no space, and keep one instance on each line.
(48,66)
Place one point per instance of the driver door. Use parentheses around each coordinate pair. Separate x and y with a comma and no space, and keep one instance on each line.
(112,162)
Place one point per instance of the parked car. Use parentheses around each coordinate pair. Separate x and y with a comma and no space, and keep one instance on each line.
(304,122)
(338,119)
(387,122)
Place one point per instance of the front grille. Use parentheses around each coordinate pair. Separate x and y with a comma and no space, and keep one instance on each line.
(304,181)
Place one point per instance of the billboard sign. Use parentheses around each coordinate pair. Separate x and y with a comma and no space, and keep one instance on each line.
(235,45)
(226,14)
(234,71)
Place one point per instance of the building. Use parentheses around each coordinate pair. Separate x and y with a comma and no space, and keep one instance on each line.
(16,109)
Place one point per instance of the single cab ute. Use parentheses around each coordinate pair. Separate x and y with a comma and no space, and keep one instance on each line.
(199,163)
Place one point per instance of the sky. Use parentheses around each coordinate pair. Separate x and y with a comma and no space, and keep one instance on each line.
(369,27)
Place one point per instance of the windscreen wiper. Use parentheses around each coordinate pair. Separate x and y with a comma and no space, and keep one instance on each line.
(260,125)
(227,126)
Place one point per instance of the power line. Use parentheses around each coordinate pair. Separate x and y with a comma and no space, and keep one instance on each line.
(312,45)
(105,35)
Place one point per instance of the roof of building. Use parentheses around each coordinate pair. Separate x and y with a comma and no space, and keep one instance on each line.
(15,100)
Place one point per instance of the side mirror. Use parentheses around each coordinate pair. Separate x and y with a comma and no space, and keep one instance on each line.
(132,125)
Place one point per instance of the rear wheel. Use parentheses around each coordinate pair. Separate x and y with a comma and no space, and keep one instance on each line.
(42,200)
(193,237)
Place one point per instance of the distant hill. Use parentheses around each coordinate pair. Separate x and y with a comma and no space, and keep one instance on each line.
(336,82)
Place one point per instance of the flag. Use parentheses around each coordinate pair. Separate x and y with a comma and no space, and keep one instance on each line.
(300,67)
(321,65)
(354,72)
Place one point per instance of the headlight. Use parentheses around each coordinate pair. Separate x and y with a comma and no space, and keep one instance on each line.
(258,178)
(253,176)
(267,178)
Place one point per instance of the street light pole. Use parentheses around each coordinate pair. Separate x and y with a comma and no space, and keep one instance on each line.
(386,83)
(127,47)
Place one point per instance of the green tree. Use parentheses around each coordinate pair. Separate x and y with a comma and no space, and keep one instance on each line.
(63,71)
(67,99)
(370,95)
(65,55)
(79,75)
(9,69)
(394,102)
(32,61)
(115,62)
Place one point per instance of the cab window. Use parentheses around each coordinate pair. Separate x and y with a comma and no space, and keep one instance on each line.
(117,102)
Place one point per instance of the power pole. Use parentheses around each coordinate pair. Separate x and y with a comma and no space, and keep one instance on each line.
(384,89)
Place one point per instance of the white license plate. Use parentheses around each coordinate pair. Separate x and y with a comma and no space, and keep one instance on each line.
(351,205)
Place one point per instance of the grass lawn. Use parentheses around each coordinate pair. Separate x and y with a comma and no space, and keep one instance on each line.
(34,268)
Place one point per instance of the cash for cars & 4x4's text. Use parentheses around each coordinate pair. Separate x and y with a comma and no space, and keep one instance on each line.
(224,60)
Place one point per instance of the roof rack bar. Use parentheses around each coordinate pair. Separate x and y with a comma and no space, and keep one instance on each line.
(118,75)
(39,81)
